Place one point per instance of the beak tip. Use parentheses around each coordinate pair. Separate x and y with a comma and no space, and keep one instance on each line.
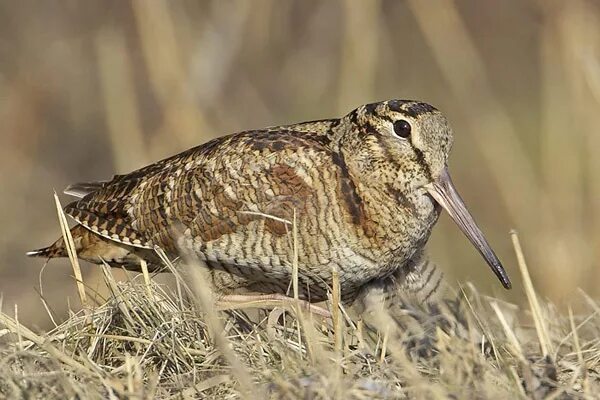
(502,275)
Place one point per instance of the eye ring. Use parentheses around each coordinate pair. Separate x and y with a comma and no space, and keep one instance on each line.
(402,128)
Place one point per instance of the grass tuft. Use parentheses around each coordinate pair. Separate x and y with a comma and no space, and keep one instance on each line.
(150,341)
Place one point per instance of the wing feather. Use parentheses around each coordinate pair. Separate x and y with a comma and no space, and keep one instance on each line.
(140,208)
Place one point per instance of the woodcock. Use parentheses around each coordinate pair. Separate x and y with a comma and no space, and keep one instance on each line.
(365,191)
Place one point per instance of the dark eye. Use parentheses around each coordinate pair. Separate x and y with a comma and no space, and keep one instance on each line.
(402,128)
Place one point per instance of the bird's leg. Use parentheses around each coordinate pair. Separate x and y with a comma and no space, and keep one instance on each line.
(403,305)
(237,301)
(419,282)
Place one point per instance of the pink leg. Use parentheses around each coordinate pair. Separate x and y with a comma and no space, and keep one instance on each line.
(236,301)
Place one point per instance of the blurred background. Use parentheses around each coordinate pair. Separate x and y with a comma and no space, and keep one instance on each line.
(90,89)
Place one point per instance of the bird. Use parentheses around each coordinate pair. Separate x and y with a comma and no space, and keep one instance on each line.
(356,195)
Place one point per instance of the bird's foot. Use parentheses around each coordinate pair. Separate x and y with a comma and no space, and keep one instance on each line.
(238,301)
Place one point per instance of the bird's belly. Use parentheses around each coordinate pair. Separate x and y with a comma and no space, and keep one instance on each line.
(261,261)
(270,275)
(271,271)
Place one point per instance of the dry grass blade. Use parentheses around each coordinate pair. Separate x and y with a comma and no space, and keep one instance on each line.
(534,305)
(295,262)
(582,364)
(146,275)
(512,338)
(335,310)
(70,245)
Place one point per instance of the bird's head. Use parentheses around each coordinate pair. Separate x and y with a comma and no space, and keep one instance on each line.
(406,144)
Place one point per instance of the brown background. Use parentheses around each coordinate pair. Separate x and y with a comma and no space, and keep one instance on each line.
(90,89)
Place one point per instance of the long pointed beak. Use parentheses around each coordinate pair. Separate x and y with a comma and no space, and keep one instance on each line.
(443,191)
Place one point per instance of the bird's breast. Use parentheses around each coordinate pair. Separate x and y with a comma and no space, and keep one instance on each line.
(403,225)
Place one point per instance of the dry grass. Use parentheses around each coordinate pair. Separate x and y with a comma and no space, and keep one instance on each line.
(149,341)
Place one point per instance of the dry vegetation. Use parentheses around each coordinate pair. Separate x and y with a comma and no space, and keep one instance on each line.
(149,341)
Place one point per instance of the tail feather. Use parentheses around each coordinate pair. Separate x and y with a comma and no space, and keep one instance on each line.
(56,249)
(96,249)
(82,189)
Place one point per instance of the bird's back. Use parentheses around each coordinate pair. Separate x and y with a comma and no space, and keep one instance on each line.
(140,207)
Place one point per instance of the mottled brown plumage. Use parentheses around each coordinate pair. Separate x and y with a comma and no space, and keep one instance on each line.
(364,190)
